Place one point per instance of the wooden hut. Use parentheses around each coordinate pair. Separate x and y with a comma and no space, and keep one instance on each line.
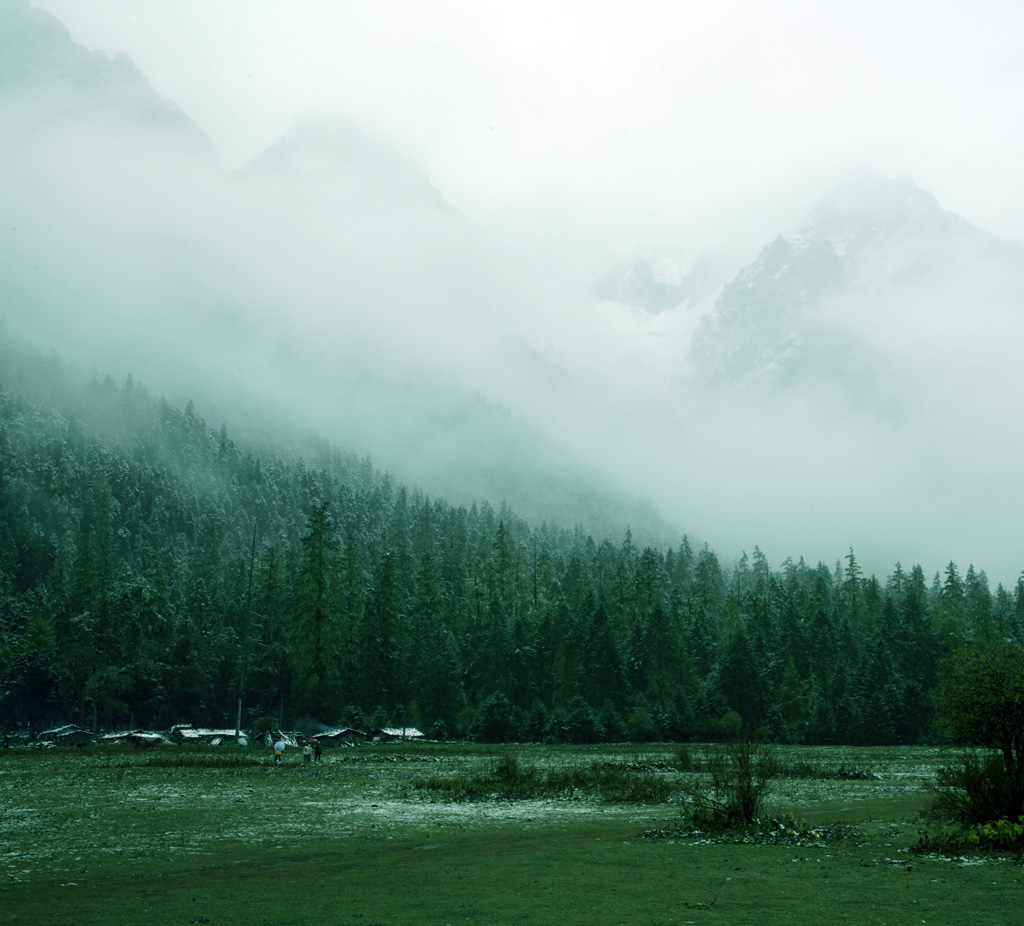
(390,734)
(68,735)
(343,737)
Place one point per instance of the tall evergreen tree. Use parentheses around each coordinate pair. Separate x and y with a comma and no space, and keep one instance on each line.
(315,628)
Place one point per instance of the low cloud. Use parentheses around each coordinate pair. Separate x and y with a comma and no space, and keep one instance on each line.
(404,313)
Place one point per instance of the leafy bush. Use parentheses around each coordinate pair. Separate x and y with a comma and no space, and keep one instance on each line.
(438,730)
(583,724)
(640,727)
(976,790)
(513,775)
(622,783)
(1000,835)
(685,760)
(726,727)
(980,702)
(263,726)
(735,792)
(496,721)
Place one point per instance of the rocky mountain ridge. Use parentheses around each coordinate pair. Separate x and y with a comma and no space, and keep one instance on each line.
(46,77)
(872,241)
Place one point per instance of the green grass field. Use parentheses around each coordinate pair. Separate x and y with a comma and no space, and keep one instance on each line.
(176,835)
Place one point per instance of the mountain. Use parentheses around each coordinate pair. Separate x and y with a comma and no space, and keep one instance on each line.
(658,285)
(329,281)
(874,251)
(336,154)
(859,379)
(48,79)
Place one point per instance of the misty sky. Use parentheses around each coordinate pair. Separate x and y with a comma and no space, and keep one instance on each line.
(583,134)
(650,126)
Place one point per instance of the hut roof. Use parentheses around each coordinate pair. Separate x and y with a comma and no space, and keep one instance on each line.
(341,735)
(186,733)
(135,737)
(395,733)
(67,735)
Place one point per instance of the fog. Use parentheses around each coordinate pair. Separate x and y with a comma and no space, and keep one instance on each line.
(409,267)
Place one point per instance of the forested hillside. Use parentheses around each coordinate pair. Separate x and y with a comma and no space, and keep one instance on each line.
(151,569)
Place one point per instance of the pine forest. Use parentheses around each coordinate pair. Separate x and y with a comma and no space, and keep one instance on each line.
(153,571)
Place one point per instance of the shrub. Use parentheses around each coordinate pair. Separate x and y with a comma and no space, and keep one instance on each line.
(584,726)
(685,760)
(496,722)
(640,727)
(511,774)
(976,790)
(802,768)
(726,727)
(739,775)
(980,702)
(508,777)
(999,836)
(465,719)
(263,726)
(557,730)
(618,783)
(535,723)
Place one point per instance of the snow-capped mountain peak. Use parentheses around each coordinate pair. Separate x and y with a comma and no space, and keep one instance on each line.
(335,151)
(865,241)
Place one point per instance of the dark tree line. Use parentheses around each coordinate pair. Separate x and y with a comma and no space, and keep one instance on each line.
(154,572)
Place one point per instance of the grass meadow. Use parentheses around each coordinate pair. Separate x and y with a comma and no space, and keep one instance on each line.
(443,834)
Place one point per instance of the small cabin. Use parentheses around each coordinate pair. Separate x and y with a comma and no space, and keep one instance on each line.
(140,739)
(343,737)
(186,733)
(390,734)
(68,735)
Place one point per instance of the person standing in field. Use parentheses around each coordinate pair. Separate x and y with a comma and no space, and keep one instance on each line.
(307,753)
(317,751)
(278,750)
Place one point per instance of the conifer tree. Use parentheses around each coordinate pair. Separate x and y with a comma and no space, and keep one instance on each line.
(315,627)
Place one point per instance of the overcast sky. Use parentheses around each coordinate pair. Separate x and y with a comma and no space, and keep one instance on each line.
(649,127)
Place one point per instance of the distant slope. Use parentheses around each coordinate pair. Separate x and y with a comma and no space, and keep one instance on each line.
(340,158)
(871,255)
(329,281)
(46,78)
(862,377)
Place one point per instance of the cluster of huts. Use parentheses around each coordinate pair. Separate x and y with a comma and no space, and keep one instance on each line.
(71,735)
